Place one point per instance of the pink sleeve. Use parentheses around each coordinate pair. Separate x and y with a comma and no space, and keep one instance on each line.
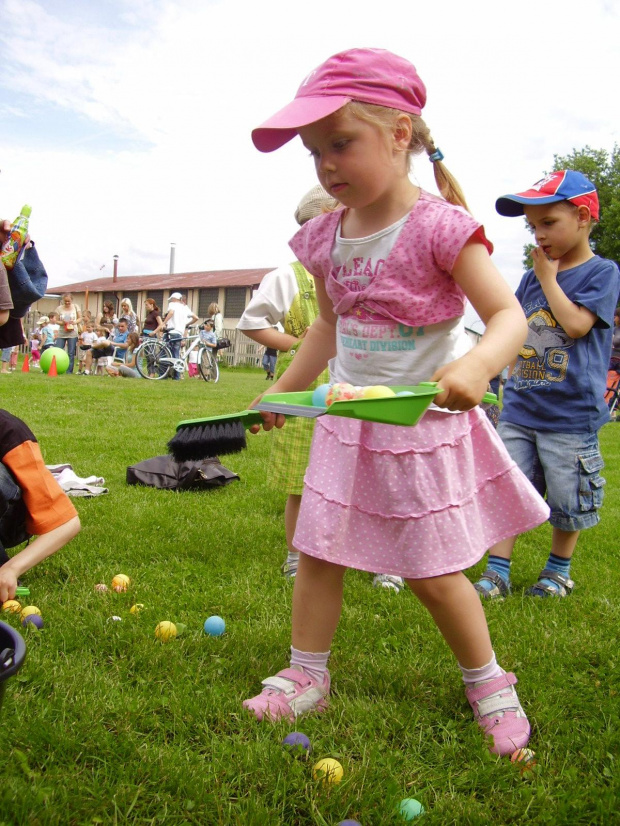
(453,228)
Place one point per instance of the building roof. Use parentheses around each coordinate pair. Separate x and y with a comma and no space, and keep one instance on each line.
(178,281)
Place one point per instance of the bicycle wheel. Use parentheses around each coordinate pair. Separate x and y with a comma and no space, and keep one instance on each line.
(207,364)
(149,360)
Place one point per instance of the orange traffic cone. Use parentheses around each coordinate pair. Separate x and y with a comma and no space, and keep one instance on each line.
(53,371)
(26,365)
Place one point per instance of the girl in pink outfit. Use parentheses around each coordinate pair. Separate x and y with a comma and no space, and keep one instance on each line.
(393,270)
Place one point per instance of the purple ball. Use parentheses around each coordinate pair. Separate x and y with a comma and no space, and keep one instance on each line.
(33,619)
(298,742)
(349,823)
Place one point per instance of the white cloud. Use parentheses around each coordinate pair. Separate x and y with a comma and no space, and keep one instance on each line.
(126,124)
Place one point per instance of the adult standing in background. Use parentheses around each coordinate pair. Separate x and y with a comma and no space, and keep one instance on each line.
(107,318)
(178,317)
(127,312)
(153,321)
(218,320)
(69,316)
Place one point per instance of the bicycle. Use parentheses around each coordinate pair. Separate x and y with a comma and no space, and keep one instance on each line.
(154,359)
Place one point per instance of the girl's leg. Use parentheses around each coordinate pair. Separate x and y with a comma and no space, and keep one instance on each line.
(304,686)
(317,603)
(455,606)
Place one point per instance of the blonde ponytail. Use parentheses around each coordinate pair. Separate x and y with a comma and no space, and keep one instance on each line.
(446,182)
(421,141)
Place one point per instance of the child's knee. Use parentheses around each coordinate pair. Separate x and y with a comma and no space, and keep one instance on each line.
(434,590)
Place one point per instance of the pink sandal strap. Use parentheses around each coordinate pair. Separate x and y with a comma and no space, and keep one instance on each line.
(486,689)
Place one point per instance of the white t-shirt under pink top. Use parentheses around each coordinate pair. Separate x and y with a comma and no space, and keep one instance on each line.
(371,345)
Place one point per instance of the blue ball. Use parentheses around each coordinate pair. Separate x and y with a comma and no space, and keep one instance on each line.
(214,626)
(297,741)
(319,394)
(33,619)
(410,808)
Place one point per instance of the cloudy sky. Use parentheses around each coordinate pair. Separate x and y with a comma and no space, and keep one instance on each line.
(126,123)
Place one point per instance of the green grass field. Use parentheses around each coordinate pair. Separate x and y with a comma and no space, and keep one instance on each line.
(106,725)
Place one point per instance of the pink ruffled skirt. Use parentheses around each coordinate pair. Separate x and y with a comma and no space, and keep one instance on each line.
(412,501)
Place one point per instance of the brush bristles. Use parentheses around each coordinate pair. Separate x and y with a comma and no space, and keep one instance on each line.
(205,441)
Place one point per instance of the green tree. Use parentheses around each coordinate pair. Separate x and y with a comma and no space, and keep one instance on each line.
(603,169)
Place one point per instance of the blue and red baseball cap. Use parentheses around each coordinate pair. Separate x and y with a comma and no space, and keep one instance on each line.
(565,185)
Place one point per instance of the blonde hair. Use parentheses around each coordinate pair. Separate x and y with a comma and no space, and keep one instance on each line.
(421,140)
(127,301)
(213,308)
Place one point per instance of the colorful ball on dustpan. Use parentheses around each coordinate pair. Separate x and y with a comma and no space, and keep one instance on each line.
(62,360)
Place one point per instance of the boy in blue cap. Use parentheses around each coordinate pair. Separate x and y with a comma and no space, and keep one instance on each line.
(554,400)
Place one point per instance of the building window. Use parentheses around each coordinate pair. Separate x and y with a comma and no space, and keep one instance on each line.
(234,302)
(205,297)
(133,297)
(111,297)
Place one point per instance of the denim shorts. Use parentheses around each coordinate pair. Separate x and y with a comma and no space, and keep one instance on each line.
(563,466)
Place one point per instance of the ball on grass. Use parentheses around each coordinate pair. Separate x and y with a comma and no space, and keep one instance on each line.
(101,587)
(165,631)
(298,742)
(328,770)
(522,756)
(33,621)
(214,626)
(11,606)
(115,619)
(62,360)
(120,583)
(349,823)
(28,610)
(410,808)
(135,609)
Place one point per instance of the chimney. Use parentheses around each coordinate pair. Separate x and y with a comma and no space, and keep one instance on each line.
(172,246)
(115,273)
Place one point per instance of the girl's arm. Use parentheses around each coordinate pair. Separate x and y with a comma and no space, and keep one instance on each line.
(466,379)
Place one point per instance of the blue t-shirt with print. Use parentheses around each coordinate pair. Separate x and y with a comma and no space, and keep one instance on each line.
(559,382)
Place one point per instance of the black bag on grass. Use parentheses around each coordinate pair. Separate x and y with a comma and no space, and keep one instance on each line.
(166,473)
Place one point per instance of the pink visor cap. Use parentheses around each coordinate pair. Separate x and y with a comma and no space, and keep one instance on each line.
(367,75)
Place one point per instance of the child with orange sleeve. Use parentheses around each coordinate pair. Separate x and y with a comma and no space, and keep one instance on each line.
(31,504)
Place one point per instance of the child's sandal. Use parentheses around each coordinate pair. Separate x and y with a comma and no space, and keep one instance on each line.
(498,712)
(499,590)
(543,589)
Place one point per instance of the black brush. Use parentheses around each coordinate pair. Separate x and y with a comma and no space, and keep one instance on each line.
(197,439)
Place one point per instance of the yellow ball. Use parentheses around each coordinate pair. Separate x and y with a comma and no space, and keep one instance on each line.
(135,609)
(165,631)
(12,606)
(29,609)
(376,391)
(328,770)
(121,583)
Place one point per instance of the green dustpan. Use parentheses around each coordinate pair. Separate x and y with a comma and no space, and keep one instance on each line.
(404,410)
